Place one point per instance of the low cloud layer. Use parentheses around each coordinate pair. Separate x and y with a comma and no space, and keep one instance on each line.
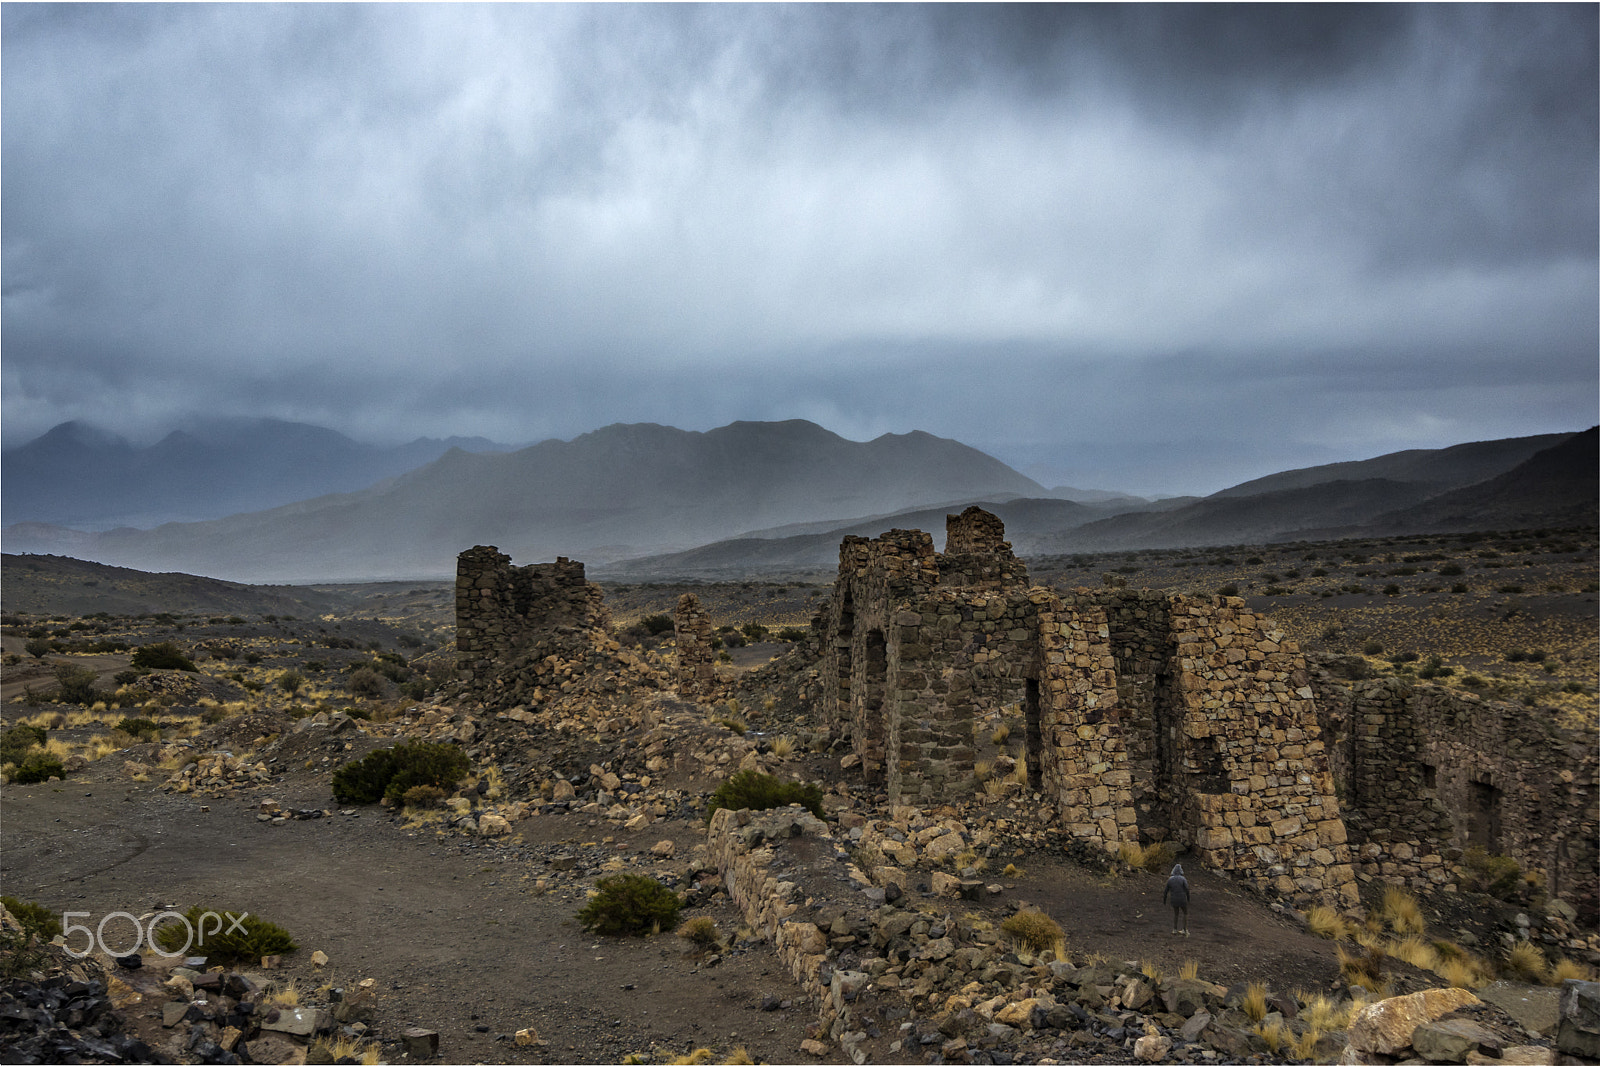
(1155,248)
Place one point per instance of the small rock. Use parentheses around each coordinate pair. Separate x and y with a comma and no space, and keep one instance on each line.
(318,958)
(1152,1048)
(421,1043)
(815,1048)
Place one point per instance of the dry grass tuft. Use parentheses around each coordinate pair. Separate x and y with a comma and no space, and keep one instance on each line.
(1322,1013)
(1305,1044)
(1363,969)
(1034,930)
(739,1056)
(1526,962)
(1401,910)
(1462,972)
(1272,1034)
(1152,971)
(1254,1003)
(701,931)
(783,746)
(1416,951)
(1570,970)
(1190,970)
(983,770)
(1000,735)
(1328,923)
(700,1056)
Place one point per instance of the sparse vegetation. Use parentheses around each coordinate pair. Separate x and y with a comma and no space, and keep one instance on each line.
(35,920)
(226,937)
(756,791)
(630,905)
(390,772)
(1033,930)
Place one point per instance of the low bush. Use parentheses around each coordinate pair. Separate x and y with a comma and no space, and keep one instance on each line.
(163,656)
(143,728)
(1033,930)
(38,765)
(1493,875)
(76,684)
(630,905)
(756,791)
(392,771)
(36,920)
(225,937)
(18,740)
(365,684)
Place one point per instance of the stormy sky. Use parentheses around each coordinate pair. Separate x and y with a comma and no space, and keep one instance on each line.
(1160,249)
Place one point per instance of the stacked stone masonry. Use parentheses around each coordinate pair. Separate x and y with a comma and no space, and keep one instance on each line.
(502,609)
(1427,772)
(1146,716)
(696,674)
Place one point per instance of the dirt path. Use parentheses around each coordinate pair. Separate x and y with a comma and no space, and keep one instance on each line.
(451,930)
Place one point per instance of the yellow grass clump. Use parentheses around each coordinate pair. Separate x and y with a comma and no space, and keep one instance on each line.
(783,746)
(1328,923)
(1570,970)
(1035,931)
(1416,951)
(1254,1003)
(739,1056)
(700,931)
(1322,1013)
(1152,971)
(1000,735)
(1271,1034)
(1402,911)
(1190,970)
(1526,962)
(1462,971)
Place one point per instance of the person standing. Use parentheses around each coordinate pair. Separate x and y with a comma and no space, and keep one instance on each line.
(1177,894)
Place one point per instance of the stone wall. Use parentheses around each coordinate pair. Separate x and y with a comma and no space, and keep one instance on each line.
(695,675)
(1428,771)
(501,609)
(1145,715)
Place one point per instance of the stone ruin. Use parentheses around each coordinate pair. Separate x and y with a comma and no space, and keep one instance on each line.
(1147,717)
(1152,717)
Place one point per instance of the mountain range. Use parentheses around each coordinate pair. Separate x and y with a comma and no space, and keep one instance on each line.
(79,476)
(643,501)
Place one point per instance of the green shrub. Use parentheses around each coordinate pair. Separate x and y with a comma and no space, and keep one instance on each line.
(17,741)
(77,683)
(365,684)
(225,937)
(793,634)
(163,656)
(1494,875)
(630,905)
(38,765)
(22,955)
(754,631)
(290,681)
(391,771)
(1228,590)
(35,919)
(656,624)
(756,791)
(139,727)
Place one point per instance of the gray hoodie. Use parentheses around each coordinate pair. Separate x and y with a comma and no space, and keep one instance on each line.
(1177,888)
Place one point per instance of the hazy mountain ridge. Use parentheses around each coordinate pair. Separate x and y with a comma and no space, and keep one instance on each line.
(83,477)
(1552,487)
(621,490)
(644,499)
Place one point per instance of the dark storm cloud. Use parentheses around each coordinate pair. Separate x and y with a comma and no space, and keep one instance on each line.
(1273,235)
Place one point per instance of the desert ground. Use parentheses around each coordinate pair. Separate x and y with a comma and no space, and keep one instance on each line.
(477,938)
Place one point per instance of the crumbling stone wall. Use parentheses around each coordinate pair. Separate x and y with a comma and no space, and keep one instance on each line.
(1210,739)
(1428,771)
(696,675)
(502,609)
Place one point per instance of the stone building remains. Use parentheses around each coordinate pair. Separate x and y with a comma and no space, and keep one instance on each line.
(1151,716)
(1146,717)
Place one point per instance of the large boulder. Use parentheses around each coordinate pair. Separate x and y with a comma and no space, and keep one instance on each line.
(1578,1031)
(1452,1039)
(1385,1027)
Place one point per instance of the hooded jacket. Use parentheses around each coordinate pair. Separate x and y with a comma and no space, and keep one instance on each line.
(1177,888)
